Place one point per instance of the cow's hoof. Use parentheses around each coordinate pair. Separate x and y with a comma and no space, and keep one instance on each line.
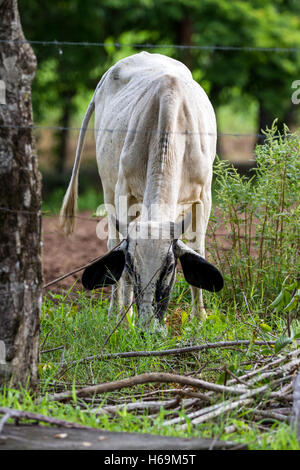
(199,313)
(158,328)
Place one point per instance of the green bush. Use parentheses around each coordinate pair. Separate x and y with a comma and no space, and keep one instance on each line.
(260,216)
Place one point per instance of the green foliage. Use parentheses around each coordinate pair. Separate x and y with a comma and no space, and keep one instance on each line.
(287,302)
(289,297)
(261,217)
(63,72)
(67,71)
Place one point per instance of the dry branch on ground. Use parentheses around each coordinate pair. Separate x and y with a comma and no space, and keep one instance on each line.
(264,394)
(261,391)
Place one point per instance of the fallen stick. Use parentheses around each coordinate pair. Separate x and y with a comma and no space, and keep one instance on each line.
(213,410)
(193,414)
(295,422)
(20,414)
(166,352)
(184,392)
(267,366)
(3,421)
(287,410)
(228,405)
(51,350)
(273,415)
(151,406)
(282,370)
(198,395)
(246,398)
(159,377)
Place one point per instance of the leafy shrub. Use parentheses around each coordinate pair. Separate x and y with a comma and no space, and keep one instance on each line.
(260,216)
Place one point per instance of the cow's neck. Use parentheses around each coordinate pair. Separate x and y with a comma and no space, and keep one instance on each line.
(162,182)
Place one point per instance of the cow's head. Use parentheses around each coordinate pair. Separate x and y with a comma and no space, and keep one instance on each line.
(150,253)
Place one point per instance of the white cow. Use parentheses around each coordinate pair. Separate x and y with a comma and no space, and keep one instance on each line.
(155,144)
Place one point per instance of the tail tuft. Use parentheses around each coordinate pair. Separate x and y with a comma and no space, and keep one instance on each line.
(69,208)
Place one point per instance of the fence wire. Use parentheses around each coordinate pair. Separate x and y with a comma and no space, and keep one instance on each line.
(128,131)
(199,47)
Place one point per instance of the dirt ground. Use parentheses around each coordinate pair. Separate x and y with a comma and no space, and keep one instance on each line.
(63,254)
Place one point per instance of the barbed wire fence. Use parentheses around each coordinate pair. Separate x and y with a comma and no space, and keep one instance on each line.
(156,46)
(117,45)
(125,131)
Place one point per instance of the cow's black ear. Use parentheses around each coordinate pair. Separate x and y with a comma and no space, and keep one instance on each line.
(197,271)
(106,271)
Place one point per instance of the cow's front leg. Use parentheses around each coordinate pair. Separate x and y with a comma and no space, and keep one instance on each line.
(127,293)
(196,241)
(127,210)
(115,299)
(116,291)
(198,309)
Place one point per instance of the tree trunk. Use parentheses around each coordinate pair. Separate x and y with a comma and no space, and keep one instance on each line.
(20,214)
(184,38)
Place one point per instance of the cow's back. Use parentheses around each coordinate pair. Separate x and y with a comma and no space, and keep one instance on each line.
(142,98)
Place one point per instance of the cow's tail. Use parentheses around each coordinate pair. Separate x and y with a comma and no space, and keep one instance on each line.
(69,205)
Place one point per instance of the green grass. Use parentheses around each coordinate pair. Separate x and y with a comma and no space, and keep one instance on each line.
(78,321)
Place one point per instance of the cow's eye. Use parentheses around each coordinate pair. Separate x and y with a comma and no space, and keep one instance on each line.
(170,269)
(129,265)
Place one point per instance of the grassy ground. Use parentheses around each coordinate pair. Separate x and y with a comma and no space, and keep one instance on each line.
(78,325)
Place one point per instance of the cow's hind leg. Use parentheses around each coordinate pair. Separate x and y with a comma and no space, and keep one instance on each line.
(127,210)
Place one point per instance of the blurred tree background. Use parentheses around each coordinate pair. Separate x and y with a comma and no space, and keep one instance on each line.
(248,88)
